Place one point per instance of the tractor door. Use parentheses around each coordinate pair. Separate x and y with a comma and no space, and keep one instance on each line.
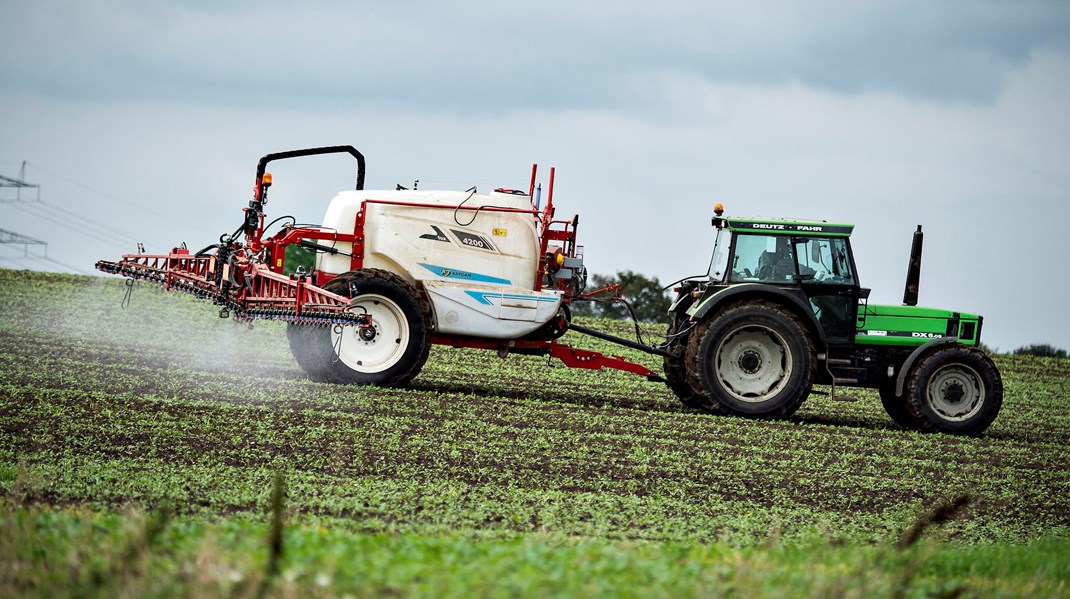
(826,274)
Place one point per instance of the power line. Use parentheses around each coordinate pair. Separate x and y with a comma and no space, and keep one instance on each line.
(55,215)
(34,260)
(9,238)
(20,183)
(13,238)
(61,223)
(83,221)
(68,266)
(168,217)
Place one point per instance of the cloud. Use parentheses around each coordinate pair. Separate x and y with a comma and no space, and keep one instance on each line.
(471,57)
(951,115)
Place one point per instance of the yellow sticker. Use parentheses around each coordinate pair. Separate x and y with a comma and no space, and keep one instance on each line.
(499,232)
(278,263)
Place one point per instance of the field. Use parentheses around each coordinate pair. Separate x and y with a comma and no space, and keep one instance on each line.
(141,449)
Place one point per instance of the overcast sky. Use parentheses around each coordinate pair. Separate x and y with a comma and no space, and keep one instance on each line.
(144,120)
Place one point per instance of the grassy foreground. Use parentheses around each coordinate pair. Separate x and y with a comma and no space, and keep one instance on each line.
(139,449)
(73,552)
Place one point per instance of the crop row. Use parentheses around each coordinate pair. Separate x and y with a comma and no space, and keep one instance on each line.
(110,407)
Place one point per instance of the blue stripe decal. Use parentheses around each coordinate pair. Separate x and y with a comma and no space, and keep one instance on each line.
(481,297)
(464,275)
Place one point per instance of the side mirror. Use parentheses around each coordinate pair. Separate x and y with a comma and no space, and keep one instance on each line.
(815,252)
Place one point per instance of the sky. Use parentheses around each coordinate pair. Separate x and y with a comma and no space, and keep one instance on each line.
(143,120)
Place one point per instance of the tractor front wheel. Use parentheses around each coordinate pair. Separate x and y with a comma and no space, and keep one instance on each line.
(955,389)
(390,352)
(754,360)
(896,407)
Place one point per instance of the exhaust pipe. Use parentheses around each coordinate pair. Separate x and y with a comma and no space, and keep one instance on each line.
(910,290)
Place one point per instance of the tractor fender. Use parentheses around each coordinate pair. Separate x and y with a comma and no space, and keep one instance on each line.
(900,381)
(683,301)
(794,298)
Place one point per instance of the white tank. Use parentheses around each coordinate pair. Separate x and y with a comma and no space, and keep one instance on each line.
(478,267)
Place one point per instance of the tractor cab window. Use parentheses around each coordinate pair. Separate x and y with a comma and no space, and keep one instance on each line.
(766,258)
(824,260)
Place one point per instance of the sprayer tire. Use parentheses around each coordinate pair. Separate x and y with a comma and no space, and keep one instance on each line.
(311,356)
(398,347)
(754,360)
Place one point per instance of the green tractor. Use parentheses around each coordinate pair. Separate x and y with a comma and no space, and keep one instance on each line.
(781,310)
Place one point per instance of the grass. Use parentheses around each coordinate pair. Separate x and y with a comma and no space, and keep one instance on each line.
(50,552)
(139,449)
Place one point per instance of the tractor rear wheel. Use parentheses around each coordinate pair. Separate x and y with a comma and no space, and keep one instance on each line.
(955,389)
(896,407)
(754,360)
(676,369)
(389,353)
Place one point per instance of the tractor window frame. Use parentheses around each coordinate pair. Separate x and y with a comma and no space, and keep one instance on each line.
(830,264)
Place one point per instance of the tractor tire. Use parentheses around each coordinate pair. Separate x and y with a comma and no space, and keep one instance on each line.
(955,389)
(896,407)
(754,360)
(390,354)
(676,370)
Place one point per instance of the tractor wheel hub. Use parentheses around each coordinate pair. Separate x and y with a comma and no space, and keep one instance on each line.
(954,393)
(750,361)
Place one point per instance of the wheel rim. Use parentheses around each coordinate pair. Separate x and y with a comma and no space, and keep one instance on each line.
(754,363)
(955,392)
(381,346)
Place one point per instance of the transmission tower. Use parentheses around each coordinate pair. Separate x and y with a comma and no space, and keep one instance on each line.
(14,238)
(11,237)
(19,184)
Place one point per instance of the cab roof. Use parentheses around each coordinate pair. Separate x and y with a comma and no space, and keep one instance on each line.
(776,226)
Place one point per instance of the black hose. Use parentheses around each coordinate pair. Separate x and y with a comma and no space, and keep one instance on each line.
(214,246)
(670,285)
(294,223)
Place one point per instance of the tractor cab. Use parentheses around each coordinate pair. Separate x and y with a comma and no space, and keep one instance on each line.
(808,260)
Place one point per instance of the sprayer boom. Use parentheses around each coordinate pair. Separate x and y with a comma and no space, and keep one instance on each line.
(243,288)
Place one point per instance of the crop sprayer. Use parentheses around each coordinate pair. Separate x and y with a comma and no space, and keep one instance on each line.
(396,271)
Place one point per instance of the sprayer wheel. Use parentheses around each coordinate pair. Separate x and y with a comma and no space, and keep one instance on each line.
(311,356)
(389,353)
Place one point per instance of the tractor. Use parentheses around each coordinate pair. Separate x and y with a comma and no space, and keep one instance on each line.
(781,309)
(399,270)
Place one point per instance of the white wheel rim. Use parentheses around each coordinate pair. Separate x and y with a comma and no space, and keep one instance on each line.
(387,345)
(753,363)
(955,392)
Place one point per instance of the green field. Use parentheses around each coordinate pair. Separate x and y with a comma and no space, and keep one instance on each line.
(139,449)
